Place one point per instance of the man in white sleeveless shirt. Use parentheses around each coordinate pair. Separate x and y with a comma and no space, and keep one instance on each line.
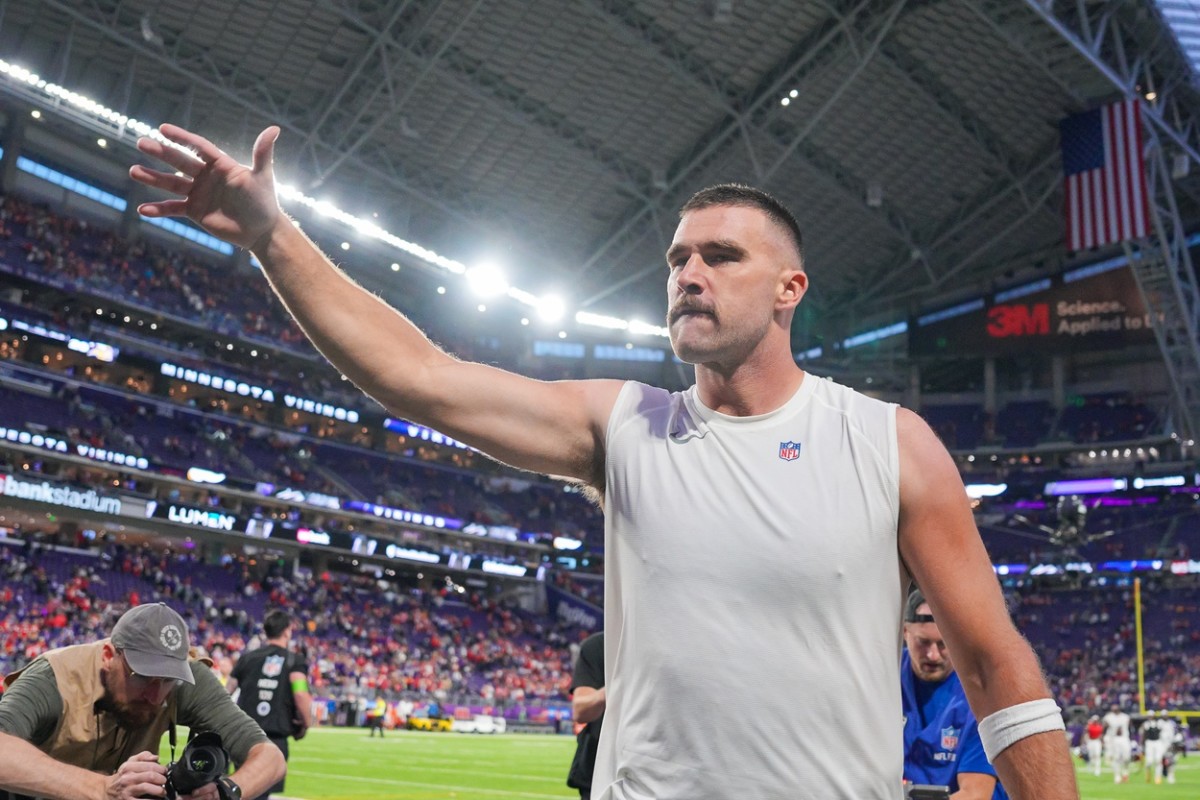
(761,527)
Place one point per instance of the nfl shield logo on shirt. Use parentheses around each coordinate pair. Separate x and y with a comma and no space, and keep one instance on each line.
(949,738)
(273,666)
(789,451)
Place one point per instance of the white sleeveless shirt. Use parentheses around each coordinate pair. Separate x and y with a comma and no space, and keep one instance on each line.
(752,600)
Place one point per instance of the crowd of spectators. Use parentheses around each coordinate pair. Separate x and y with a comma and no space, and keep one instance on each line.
(365,636)
(362,635)
(1086,639)
(91,259)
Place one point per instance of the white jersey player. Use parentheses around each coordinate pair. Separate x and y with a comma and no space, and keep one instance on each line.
(1117,743)
(1093,738)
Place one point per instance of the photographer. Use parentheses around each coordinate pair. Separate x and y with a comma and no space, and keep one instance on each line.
(86,721)
(941,737)
(274,687)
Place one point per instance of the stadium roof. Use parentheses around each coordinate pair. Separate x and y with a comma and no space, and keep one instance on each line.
(917,140)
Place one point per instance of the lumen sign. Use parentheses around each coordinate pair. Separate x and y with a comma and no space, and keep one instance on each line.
(46,492)
(196,517)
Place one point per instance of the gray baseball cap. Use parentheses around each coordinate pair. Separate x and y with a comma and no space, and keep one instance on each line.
(155,642)
(915,601)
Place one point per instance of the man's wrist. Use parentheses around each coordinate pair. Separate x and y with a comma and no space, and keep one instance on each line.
(270,239)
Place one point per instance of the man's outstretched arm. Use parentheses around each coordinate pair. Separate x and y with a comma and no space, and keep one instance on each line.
(549,427)
(942,550)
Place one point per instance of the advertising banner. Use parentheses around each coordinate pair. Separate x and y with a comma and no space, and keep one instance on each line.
(1098,312)
(572,610)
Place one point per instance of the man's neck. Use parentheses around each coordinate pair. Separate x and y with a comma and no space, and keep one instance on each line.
(279,641)
(755,387)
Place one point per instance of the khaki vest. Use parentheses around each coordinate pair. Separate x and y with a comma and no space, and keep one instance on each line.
(86,737)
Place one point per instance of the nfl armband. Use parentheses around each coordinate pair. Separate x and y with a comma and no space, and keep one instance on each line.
(1005,727)
(300,686)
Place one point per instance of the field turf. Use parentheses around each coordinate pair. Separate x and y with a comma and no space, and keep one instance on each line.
(1186,786)
(344,764)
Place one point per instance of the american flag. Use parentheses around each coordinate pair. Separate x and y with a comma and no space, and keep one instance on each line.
(1105,175)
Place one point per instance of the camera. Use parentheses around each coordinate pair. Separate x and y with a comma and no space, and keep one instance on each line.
(203,761)
(925,792)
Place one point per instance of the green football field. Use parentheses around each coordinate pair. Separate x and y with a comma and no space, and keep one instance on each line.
(1186,786)
(337,763)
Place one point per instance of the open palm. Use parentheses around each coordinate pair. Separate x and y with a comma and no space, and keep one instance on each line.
(230,200)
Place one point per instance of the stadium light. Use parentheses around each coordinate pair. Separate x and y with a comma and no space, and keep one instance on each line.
(601,321)
(551,308)
(486,280)
(118,127)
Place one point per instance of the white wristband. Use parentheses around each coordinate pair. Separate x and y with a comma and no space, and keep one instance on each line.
(1010,725)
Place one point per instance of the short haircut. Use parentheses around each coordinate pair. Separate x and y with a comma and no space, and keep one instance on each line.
(737,194)
(275,623)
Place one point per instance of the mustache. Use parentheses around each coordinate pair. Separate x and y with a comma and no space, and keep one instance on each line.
(689,307)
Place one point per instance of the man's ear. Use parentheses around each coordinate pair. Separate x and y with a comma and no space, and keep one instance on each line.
(795,284)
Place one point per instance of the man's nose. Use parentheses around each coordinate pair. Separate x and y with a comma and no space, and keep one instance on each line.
(690,276)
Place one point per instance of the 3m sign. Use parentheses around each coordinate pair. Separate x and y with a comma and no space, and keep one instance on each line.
(1018,319)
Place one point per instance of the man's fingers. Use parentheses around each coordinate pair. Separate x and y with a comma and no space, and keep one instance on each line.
(186,163)
(208,151)
(147,790)
(164,208)
(264,149)
(167,181)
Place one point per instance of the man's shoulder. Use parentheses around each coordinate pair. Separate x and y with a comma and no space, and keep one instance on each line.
(593,644)
(841,396)
(38,669)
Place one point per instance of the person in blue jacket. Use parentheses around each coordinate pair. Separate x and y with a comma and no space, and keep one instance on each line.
(941,737)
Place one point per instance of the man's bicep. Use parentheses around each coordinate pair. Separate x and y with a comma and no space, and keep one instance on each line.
(31,707)
(940,543)
(549,427)
(589,666)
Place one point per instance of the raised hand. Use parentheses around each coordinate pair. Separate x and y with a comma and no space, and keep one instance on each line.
(230,200)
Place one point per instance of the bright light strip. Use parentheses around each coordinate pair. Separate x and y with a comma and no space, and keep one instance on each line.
(1086,486)
(1169,480)
(636,326)
(601,321)
(202,475)
(978,490)
(119,126)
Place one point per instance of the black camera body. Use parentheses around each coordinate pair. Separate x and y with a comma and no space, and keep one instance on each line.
(926,792)
(203,761)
